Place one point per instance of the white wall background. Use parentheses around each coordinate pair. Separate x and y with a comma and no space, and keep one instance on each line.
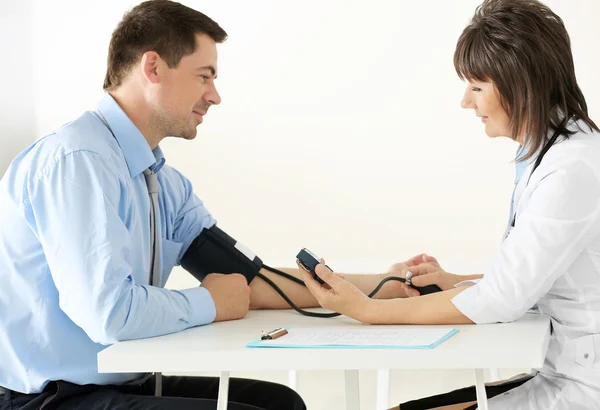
(18,122)
(340,128)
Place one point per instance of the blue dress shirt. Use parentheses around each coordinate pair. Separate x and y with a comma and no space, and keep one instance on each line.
(520,167)
(75,251)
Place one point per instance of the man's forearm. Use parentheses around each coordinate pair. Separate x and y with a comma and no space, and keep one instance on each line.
(432,309)
(263,296)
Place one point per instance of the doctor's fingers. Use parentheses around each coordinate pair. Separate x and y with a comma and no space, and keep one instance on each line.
(430,259)
(323,293)
(339,275)
(421,269)
(416,260)
(332,279)
(314,287)
(409,291)
(427,279)
(419,259)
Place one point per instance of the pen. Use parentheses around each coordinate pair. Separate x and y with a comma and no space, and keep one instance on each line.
(274,334)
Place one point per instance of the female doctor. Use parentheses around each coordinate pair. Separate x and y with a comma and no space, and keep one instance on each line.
(516,57)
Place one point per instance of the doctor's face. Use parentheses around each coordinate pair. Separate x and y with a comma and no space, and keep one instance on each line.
(484,99)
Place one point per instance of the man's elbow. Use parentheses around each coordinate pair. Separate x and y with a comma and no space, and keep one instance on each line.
(107,332)
(115,326)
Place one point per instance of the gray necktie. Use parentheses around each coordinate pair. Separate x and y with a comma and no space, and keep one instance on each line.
(152,184)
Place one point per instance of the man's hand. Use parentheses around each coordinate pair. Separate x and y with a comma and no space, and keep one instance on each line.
(397,269)
(230,293)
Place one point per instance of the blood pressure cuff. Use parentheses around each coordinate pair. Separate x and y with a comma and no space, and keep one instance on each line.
(213,251)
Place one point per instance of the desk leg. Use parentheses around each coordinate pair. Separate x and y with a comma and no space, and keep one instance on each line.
(223,390)
(293,380)
(352,390)
(383,389)
(495,375)
(158,384)
(482,403)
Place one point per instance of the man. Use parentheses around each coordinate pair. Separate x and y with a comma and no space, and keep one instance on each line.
(78,263)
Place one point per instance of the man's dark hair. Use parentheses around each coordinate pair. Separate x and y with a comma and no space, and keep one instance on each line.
(166,27)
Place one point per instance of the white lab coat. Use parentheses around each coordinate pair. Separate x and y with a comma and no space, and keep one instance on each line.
(551,259)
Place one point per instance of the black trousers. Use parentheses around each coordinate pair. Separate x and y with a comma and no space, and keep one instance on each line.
(178,393)
(464,395)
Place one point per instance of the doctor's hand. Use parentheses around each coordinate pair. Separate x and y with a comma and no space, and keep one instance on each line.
(397,269)
(336,294)
(230,293)
(400,269)
(429,273)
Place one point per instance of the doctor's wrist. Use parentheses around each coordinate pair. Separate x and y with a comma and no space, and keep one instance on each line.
(373,312)
(470,277)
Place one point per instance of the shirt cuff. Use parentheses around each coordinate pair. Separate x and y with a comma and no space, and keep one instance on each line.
(469,282)
(202,306)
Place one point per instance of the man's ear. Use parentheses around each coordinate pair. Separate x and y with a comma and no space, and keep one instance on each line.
(151,66)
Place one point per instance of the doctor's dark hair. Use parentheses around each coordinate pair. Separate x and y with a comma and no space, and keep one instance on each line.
(166,27)
(523,48)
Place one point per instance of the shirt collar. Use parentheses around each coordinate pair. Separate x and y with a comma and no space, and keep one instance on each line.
(520,165)
(136,150)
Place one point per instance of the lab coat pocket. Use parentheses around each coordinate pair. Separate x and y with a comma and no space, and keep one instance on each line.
(584,350)
(578,359)
(170,255)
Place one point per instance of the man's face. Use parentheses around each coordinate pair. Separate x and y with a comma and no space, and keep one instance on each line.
(186,92)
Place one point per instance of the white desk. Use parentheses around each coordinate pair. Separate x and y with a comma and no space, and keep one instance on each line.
(220,347)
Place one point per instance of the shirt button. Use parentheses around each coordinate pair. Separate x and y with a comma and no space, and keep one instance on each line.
(585,356)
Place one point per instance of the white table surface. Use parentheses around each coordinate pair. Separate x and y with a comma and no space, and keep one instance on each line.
(221,346)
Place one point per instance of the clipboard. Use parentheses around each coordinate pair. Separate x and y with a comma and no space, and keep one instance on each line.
(356,338)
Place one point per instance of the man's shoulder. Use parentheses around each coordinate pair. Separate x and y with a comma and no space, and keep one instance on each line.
(87,133)
(84,136)
(178,185)
(172,174)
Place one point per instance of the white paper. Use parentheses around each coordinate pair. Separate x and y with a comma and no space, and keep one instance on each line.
(358,337)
